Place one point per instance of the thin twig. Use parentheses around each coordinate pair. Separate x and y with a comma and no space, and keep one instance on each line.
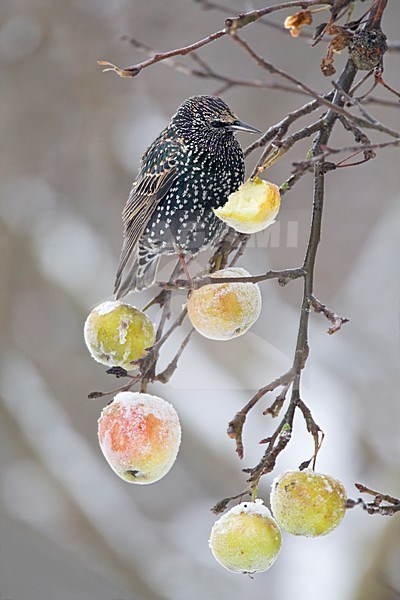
(276,406)
(369,120)
(222,504)
(262,62)
(382,504)
(360,137)
(336,321)
(278,442)
(282,127)
(166,375)
(278,148)
(232,25)
(312,428)
(356,149)
(133,380)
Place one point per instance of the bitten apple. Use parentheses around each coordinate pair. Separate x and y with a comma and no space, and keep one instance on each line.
(252,208)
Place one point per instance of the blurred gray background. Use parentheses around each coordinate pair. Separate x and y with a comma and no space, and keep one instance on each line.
(71,141)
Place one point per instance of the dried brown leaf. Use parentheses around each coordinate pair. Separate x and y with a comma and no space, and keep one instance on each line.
(297,21)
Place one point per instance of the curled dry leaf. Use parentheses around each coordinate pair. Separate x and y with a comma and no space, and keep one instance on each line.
(297,21)
(340,41)
(327,66)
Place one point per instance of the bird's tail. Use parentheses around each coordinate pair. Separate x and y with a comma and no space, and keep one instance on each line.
(140,275)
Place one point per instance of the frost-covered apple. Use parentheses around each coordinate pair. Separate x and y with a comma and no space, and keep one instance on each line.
(246,539)
(253,207)
(139,434)
(223,311)
(308,503)
(117,333)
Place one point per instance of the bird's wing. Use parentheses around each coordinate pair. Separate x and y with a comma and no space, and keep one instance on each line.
(157,173)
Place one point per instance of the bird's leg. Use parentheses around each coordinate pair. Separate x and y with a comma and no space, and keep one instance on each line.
(182,261)
(184,266)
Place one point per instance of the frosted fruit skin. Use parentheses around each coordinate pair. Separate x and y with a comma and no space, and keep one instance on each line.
(246,539)
(252,208)
(139,435)
(117,333)
(307,503)
(224,311)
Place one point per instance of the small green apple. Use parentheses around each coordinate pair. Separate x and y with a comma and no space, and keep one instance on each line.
(246,539)
(308,503)
(117,333)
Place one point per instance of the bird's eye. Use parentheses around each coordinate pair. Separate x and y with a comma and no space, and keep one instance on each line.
(218,124)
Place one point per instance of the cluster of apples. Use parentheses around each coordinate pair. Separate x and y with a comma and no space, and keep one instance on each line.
(140,434)
(247,539)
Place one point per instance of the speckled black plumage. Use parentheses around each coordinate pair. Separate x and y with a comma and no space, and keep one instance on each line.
(191,167)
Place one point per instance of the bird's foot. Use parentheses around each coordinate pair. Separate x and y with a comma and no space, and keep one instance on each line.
(184,266)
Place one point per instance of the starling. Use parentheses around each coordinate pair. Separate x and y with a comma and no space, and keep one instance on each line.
(191,167)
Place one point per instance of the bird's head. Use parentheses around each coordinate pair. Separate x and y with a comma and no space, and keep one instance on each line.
(207,117)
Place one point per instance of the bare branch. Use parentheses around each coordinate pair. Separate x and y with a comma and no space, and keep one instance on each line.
(250,17)
(262,21)
(207,72)
(281,437)
(134,70)
(283,276)
(282,127)
(382,504)
(232,25)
